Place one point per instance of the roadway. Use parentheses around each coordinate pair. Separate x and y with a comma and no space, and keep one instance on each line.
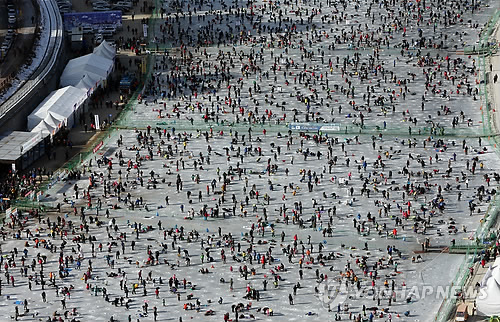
(25,38)
(3,19)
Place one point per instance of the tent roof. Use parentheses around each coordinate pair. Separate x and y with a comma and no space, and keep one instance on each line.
(43,127)
(53,120)
(86,83)
(60,102)
(96,66)
(105,50)
(489,301)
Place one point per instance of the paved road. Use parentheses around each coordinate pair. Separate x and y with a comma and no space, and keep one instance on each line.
(24,40)
(3,19)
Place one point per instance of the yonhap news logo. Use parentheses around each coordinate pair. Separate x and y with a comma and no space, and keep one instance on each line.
(332,293)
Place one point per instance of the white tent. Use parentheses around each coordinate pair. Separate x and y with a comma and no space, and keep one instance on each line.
(96,67)
(54,120)
(62,103)
(105,50)
(87,84)
(45,128)
(488,301)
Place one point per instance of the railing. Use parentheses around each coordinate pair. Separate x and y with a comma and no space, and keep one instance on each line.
(449,303)
(57,37)
(6,82)
(484,49)
(485,46)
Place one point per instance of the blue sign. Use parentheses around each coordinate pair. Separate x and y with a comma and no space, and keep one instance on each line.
(87,19)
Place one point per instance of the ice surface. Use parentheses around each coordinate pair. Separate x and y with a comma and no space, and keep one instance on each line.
(330,190)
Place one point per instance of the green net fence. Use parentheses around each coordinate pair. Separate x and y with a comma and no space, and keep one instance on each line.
(449,303)
(482,233)
(482,236)
(488,122)
(485,44)
(484,49)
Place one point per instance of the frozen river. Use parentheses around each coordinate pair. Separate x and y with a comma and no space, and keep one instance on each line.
(219,183)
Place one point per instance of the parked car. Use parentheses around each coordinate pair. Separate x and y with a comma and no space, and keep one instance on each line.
(98,39)
(8,38)
(462,313)
(121,8)
(107,31)
(124,4)
(64,7)
(108,37)
(12,19)
(100,3)
(64,2)
(87,30)
(99,8)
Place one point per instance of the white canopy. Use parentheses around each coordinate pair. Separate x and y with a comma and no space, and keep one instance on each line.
(488,301)
(87,84)
(54,120)
(61,103)
(93,65)
(105,50)
(43,127)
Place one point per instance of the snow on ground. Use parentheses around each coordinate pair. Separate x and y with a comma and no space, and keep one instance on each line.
(27,69)
(299,194)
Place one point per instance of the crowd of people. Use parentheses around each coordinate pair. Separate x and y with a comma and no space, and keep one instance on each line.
(230,213)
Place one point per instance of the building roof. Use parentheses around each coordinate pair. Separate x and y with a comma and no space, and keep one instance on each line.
(12,142)
(96,66)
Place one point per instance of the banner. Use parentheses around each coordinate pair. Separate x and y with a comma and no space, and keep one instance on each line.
(99,19)
(30,195)
(97,122)
(31,142)
(314,127)
(330,127)
(97,147)
(304,126)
